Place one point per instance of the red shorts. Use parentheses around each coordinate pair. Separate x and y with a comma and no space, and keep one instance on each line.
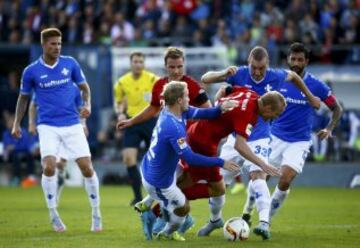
(197,173)
(209,174)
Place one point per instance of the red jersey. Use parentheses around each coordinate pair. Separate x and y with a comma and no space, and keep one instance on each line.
(197,94)
(204,136)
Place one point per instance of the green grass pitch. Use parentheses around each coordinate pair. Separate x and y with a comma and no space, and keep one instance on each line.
(311,217)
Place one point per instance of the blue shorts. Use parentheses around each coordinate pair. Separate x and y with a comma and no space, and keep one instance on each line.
(137,133)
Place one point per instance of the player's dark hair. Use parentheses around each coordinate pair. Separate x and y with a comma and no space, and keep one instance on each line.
(298,47)
(258,53)
(173,91)
(173,53)
(136,54)
(48,33)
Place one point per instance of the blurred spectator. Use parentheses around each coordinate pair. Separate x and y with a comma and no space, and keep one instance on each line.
(346,135)
(17,151)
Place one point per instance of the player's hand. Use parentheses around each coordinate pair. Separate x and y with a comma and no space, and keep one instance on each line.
(123,124)
(85,111)
(231,166)
(121,117)
(271,170)
(32,129)
(228,105)
(315,102)
(230,71)
(220,93)
(324,134)
(16,131)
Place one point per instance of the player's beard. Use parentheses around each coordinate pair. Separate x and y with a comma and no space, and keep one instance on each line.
(297,69)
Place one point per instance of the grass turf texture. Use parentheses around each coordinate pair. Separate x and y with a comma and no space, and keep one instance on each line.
(311,217)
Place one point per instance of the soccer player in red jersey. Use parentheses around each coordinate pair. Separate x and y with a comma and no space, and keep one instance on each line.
(174,64)
(204,137)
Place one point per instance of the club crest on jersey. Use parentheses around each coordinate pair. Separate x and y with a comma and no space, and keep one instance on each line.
(249,129)
(65,71)
(182,143)
(268,88)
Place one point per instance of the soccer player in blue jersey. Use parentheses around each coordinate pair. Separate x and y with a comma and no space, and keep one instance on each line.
(291,132)
(258,77)
(62,157)
(168,145)
(51,78)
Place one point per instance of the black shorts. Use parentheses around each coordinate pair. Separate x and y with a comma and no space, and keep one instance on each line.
(135,134)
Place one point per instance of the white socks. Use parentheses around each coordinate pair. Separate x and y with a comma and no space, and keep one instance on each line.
(92,189)
(277,199)
(49,186)
(262,199)
(250,199)
(174,223)
(148,201)
(216,204)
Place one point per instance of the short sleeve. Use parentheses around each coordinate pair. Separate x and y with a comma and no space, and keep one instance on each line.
(156,93)
(322,91)
(118,91)
(77,74)
(27,82)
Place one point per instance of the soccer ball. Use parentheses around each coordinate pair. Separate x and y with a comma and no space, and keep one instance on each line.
(236,229)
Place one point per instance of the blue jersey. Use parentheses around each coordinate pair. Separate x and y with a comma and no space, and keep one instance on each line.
(53,86)
(168,145)
(78,100)
(272,81)
(295,123)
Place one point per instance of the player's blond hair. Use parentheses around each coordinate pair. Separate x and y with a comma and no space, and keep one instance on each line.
(274,99)
(173,53)
(48,33)
(173,91)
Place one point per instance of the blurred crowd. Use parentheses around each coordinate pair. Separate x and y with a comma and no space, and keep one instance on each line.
(232,23)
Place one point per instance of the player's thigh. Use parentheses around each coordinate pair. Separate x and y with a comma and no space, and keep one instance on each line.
(209,174)
(295,155)
(62,153)
(277,147)
(170,198)
(49,140)
(260,148)
(130,155)
(75,142)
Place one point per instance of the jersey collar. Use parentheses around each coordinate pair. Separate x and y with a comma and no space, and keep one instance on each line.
(46,65)
(260,81)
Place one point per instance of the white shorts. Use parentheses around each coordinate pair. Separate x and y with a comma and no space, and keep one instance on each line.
(228,152)
(169,198)
(292,154)
(71,139)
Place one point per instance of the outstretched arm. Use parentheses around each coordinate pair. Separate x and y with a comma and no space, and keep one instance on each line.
(19,114)
(218,76)
(147,113)
(242,147)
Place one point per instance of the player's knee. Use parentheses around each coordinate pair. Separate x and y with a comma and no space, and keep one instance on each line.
(217,190)
(49,165)
(184,210)
(284,183)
